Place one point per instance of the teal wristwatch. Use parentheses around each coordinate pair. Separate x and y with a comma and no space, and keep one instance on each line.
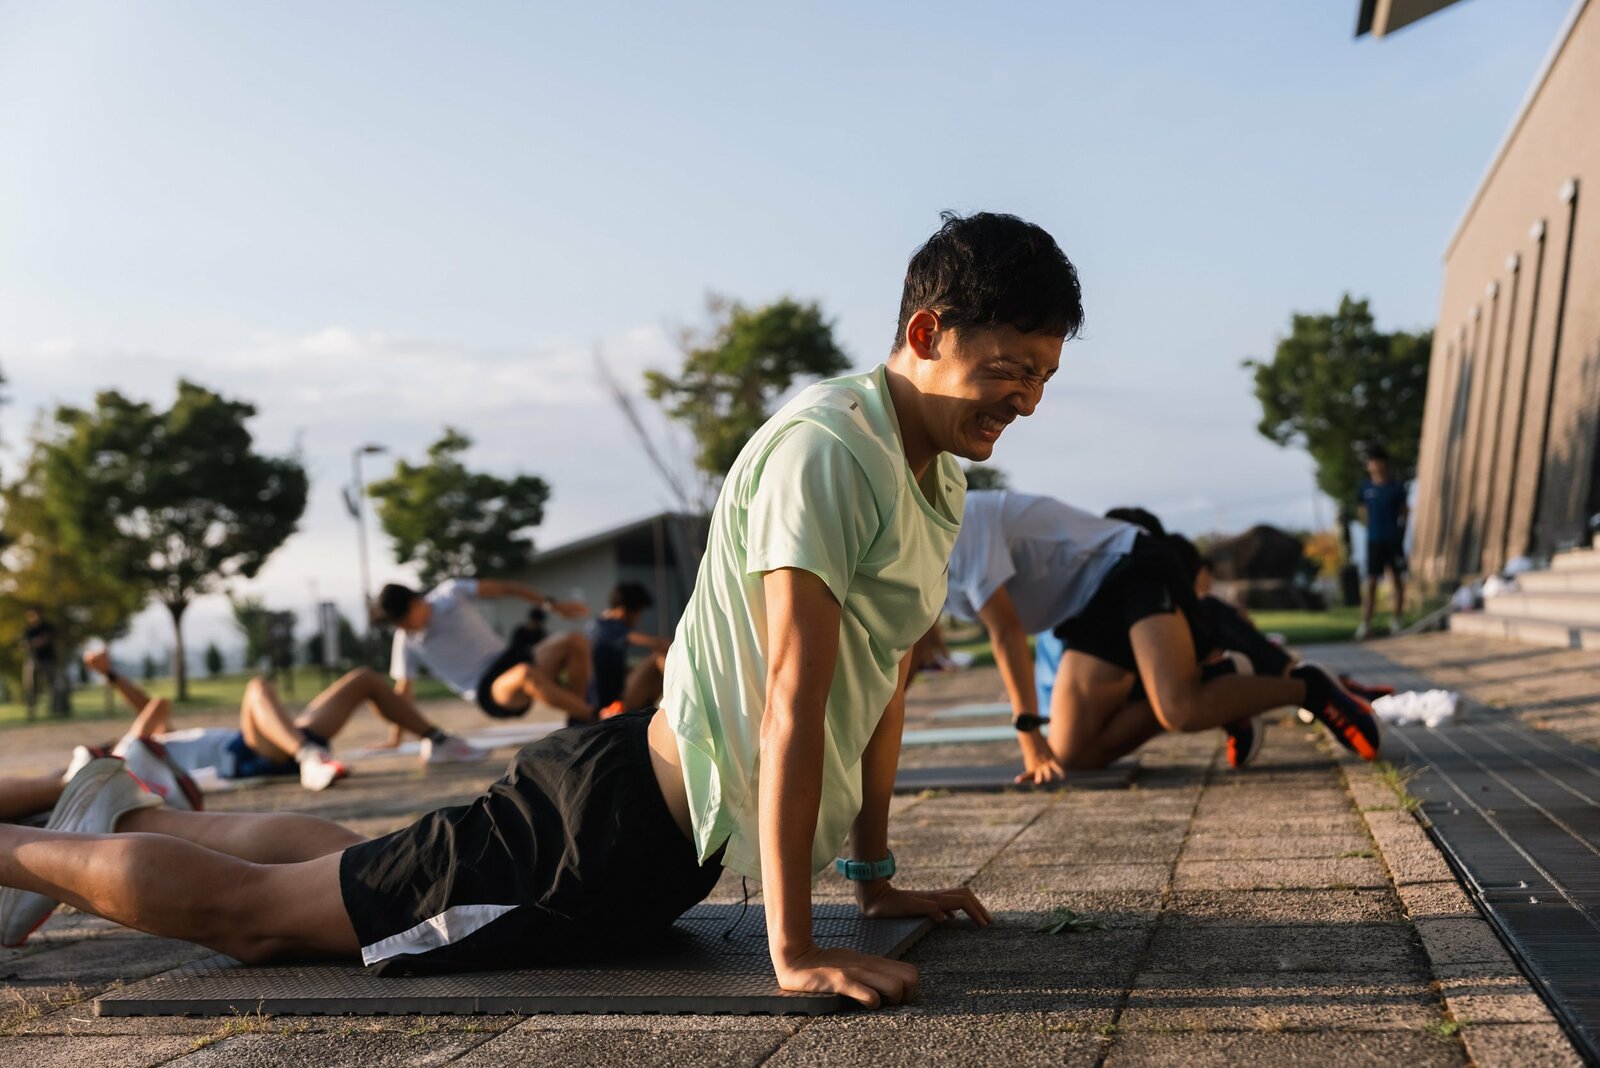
(864,871)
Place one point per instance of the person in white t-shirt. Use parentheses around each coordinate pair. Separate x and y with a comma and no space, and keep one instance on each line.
(1125,607)
(778,735)
(444,630)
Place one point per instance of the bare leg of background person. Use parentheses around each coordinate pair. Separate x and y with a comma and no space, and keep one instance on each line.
(1092,723)
(154,712)
(1182,700)
(645,683)
(1399,580)
(331,709)
(175,889)
(1369,600)
(266,724)
(558,656)
(24,797)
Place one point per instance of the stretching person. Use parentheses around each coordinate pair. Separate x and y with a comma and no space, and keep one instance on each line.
(613,688)
(1126,611)
(779,731)
(268,741)
(444,631)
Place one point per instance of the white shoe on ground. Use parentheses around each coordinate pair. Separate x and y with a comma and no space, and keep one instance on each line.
(99,795)
(1362,630)
(318,769)
(452,749)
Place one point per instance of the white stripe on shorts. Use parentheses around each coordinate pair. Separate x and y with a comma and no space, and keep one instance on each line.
(451,925)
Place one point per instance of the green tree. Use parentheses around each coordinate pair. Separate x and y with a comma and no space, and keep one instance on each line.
(451,521)
(213,660)
(985,477)
(177,502)
(78,593)
(731,375)
(1337,384)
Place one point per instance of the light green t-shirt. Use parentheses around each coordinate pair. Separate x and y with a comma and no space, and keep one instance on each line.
(823,486)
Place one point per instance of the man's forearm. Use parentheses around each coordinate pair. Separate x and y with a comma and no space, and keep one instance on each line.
(869,834)
(1016,669)
(791,794)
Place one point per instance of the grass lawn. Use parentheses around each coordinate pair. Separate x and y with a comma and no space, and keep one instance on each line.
(205,694)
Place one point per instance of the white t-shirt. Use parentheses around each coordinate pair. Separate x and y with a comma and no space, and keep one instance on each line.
(824,487)
(1050,556)
(457,645)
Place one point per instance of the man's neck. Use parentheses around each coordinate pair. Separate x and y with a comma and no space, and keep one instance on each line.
(919,448)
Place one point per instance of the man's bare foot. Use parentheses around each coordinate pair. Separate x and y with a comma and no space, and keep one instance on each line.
(97,660)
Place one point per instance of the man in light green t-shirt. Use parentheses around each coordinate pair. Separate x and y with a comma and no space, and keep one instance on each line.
(779,732)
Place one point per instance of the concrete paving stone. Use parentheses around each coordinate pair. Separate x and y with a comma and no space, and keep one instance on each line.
(1006,993)
(1354,1049)
(1259,908)
(1279,1001)
(58,1051)
(1015,946)
(1039,850)
(389,1050)
(1257,823)
(662,1044)
(782,1025)
(1368,948)
(1427,900)
(1502,999)
(929,854)
(1276,846)
(953,833)
(1004,880)
(1288,800)
(24,1005)
(1334,872)
(1406,849)
(1520,1046)
(1452,940)
(79,1019)
(97,961)
(875,1040)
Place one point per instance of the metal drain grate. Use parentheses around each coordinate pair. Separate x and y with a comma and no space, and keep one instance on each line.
(1518,812)
(703,973)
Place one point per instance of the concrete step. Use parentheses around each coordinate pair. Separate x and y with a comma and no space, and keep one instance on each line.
(1577,609)
(1576,560)
(1527,631)
(1572,580)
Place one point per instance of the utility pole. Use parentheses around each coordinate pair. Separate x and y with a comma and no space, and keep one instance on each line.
(355,501)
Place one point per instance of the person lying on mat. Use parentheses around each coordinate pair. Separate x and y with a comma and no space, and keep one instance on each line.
(1126,611)
(269,739)
(614,687)
(779,732)
(444,631)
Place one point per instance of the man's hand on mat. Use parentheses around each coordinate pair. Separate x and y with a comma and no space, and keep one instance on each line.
(1041,764)
(873,981)
(882,899)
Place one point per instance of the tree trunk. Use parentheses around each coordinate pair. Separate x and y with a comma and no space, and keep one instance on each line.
(180,668)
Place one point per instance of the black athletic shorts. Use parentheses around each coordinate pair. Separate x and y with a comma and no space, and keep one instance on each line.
(572,854)
(1149,581)
(1231,630)
(514,654)
(1385,555)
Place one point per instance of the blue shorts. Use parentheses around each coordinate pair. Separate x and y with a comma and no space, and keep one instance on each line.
(246,763)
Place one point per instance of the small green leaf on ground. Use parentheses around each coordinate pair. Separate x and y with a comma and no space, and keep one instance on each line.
(1065,921)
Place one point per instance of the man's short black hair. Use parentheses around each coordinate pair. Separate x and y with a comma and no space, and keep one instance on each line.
(1188,555)
(991,270)
(394,601)
(631,597)
(1139,517)
(1377,452)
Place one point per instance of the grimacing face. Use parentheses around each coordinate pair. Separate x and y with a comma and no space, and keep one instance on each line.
(983,378)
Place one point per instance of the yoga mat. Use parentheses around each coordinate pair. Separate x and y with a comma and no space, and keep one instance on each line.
(961,735)
(989,778)
(999,708)
(695,970)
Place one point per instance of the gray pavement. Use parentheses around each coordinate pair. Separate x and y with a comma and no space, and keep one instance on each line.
(1294,913)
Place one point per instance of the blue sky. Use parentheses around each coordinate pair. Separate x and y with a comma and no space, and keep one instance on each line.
(376,219)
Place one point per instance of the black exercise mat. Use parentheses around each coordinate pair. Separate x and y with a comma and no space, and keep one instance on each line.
(987,778)
(1518,813)
(696,970)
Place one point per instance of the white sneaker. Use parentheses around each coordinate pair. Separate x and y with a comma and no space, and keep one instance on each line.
(451,750)
(81,755)
(318,769)
(99,795)
(1362,630)
(149,762)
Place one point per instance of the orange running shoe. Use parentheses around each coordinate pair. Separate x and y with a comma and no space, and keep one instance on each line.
(1351,719)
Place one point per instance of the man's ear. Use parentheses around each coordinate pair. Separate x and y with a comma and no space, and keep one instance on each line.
(920,332)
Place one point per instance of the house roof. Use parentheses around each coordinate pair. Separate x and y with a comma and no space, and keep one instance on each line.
(610,534)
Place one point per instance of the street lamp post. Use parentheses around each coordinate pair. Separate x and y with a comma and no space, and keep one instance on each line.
(355,502)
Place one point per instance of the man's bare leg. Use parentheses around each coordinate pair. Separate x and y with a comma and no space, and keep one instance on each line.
(24,797)
(1369,601)
(558,656)
(1092,723)
(175,889)
(259,837)
(1399,586)
(266,725)
(331,709)
(645,682)
(1183,701)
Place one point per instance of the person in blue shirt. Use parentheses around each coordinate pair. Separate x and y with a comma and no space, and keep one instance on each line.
(613,688)
(1383,510)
